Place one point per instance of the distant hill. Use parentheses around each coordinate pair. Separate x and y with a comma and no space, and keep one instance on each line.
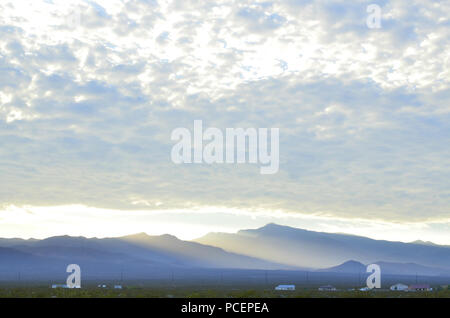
(302,248)
(349,267)
(411,269)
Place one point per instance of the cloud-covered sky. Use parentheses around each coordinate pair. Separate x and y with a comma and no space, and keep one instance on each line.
(91,90)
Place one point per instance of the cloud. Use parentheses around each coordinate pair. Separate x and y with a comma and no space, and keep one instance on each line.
(86,110)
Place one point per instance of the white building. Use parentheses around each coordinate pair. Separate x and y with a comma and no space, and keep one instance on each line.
(327,288)
(117,286)
(399,286)
(285,287)
(59,286)
(422,287)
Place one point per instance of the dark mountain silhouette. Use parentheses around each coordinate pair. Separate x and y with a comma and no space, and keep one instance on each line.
(139,254)
(248,252)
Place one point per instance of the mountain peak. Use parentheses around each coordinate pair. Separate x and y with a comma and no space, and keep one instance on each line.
(350,266)
(145,237)
(270,227)
(137,236)
(62,238)
(273,229)
(168,237)
(352,262)
(273,226)
(278,226)
(420,242)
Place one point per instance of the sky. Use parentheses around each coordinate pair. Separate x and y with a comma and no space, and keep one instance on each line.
(90,92)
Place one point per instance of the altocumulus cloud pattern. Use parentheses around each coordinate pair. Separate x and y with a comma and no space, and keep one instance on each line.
(91,90)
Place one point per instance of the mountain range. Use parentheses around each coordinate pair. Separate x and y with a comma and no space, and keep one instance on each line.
(272,247)
(302,248)
(141,252)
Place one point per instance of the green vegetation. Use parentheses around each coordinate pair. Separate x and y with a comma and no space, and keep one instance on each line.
(204,292)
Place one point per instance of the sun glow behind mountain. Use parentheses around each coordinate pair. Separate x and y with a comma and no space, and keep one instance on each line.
(78,220)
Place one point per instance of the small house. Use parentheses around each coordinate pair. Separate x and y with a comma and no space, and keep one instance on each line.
(59,286)
(421,287)
(327,288)
(399,286)
(285,287)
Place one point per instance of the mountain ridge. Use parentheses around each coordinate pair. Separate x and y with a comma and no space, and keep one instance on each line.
(271,247)
(162,251)
(305,248)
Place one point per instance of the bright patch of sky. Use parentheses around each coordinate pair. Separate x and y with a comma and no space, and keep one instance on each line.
(77,220)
